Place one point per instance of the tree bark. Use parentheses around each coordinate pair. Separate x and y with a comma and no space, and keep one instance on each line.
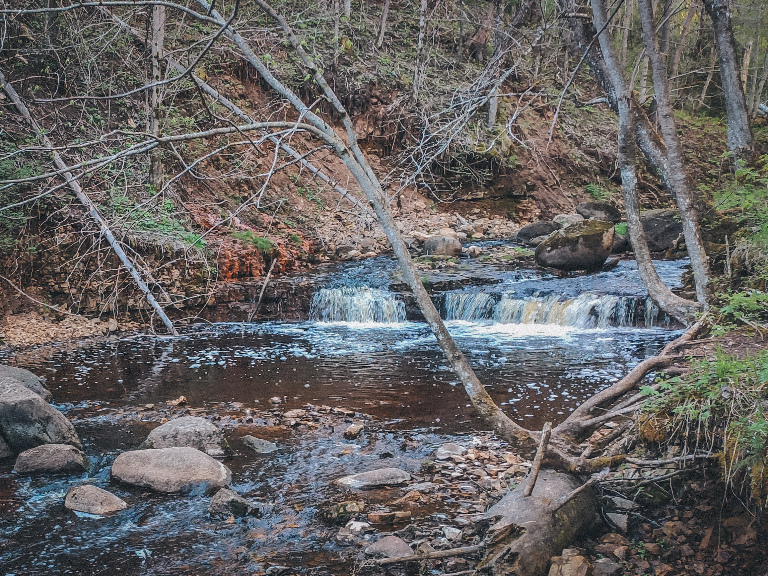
(682,184)
(692,11)
(155,99)
(739,131)
(383,24)
(418,72)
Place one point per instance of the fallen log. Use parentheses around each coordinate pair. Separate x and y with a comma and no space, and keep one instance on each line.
(532,529)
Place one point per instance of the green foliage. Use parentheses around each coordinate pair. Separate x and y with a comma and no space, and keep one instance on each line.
(295,239)
(597,192)
(720,403)
(621,228)
(263,245)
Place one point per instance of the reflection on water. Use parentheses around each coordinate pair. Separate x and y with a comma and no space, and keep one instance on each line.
(537,360)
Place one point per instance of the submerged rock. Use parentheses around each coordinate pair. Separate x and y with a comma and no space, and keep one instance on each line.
(170,470)
(259,445)
(389,547)
(582,246)
(30,380)
(190,431)
(51,459)
(26,420)
(375,478)
(226,503)
(93,500)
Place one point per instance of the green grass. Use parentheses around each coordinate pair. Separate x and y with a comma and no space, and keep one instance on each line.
(263,245)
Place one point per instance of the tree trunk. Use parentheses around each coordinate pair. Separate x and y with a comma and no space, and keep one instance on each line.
(739,131)
(418,71)
(383,24)
(682,184)
(155,98)
(667,301)
(625,31)
(692,11)
(498,40)
(707,82)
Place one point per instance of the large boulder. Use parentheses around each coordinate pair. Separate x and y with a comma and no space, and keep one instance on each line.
(442,245)
(93,500)
(581,246)
(662,228)
(191,431)
(531,231)
(565,220)
(599,211)
(26,420)
(179,469)
(27,378)
(51,459)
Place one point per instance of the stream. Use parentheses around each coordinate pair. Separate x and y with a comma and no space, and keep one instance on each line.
(541,344)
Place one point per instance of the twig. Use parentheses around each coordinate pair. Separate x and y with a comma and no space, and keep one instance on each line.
(677,460)
(534,473)
(563,500)
(263,288)
(432,555)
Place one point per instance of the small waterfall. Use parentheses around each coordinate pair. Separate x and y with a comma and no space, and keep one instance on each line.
(356,304)
(588,310)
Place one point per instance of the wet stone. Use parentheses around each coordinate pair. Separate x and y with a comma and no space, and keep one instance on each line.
(259,445)
(375,478)
(389,547)
(353,431)
(93,500)
(342,511)
(170,469)
(51,459)
(449,450)
(226,503)
(27,378)
(191,431)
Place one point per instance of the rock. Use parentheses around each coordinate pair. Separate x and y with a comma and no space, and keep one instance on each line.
(226,503)
(259,445)
(442,246)
(353,431)
(565,220)
(389,547)
(448,450)
(621,521)
(93,500)
(5,450)
(357,528)
(342,511)
(275,400)
(51,459)
(474,251)
(178,469)
(533,242)
(662,227)
(295,413)
(26,420)
(540,228)
(622,503)
(389,517)
(606,567)
(190,431)
(599,211)
(30,380)
(571,565)
(620,244)
(582,246)
(375,478)
(451,533)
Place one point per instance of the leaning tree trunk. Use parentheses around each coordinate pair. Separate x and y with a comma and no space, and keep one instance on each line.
(740,141)
(681,182)
(383,23)
(659,292)
(89,205)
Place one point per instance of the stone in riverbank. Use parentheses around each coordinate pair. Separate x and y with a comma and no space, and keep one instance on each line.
(51,459)
(189,431)
(93,500)
(226,503)
(582,246)
(389,547)
(170,470)
(259,445)
(26,420)
(375,478)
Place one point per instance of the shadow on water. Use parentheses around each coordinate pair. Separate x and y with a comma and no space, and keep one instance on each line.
(393,370)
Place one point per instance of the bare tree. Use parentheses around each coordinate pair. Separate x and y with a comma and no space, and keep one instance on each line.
(739,131)
(155,100)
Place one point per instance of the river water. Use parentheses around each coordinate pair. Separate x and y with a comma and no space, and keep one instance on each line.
(541,345)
